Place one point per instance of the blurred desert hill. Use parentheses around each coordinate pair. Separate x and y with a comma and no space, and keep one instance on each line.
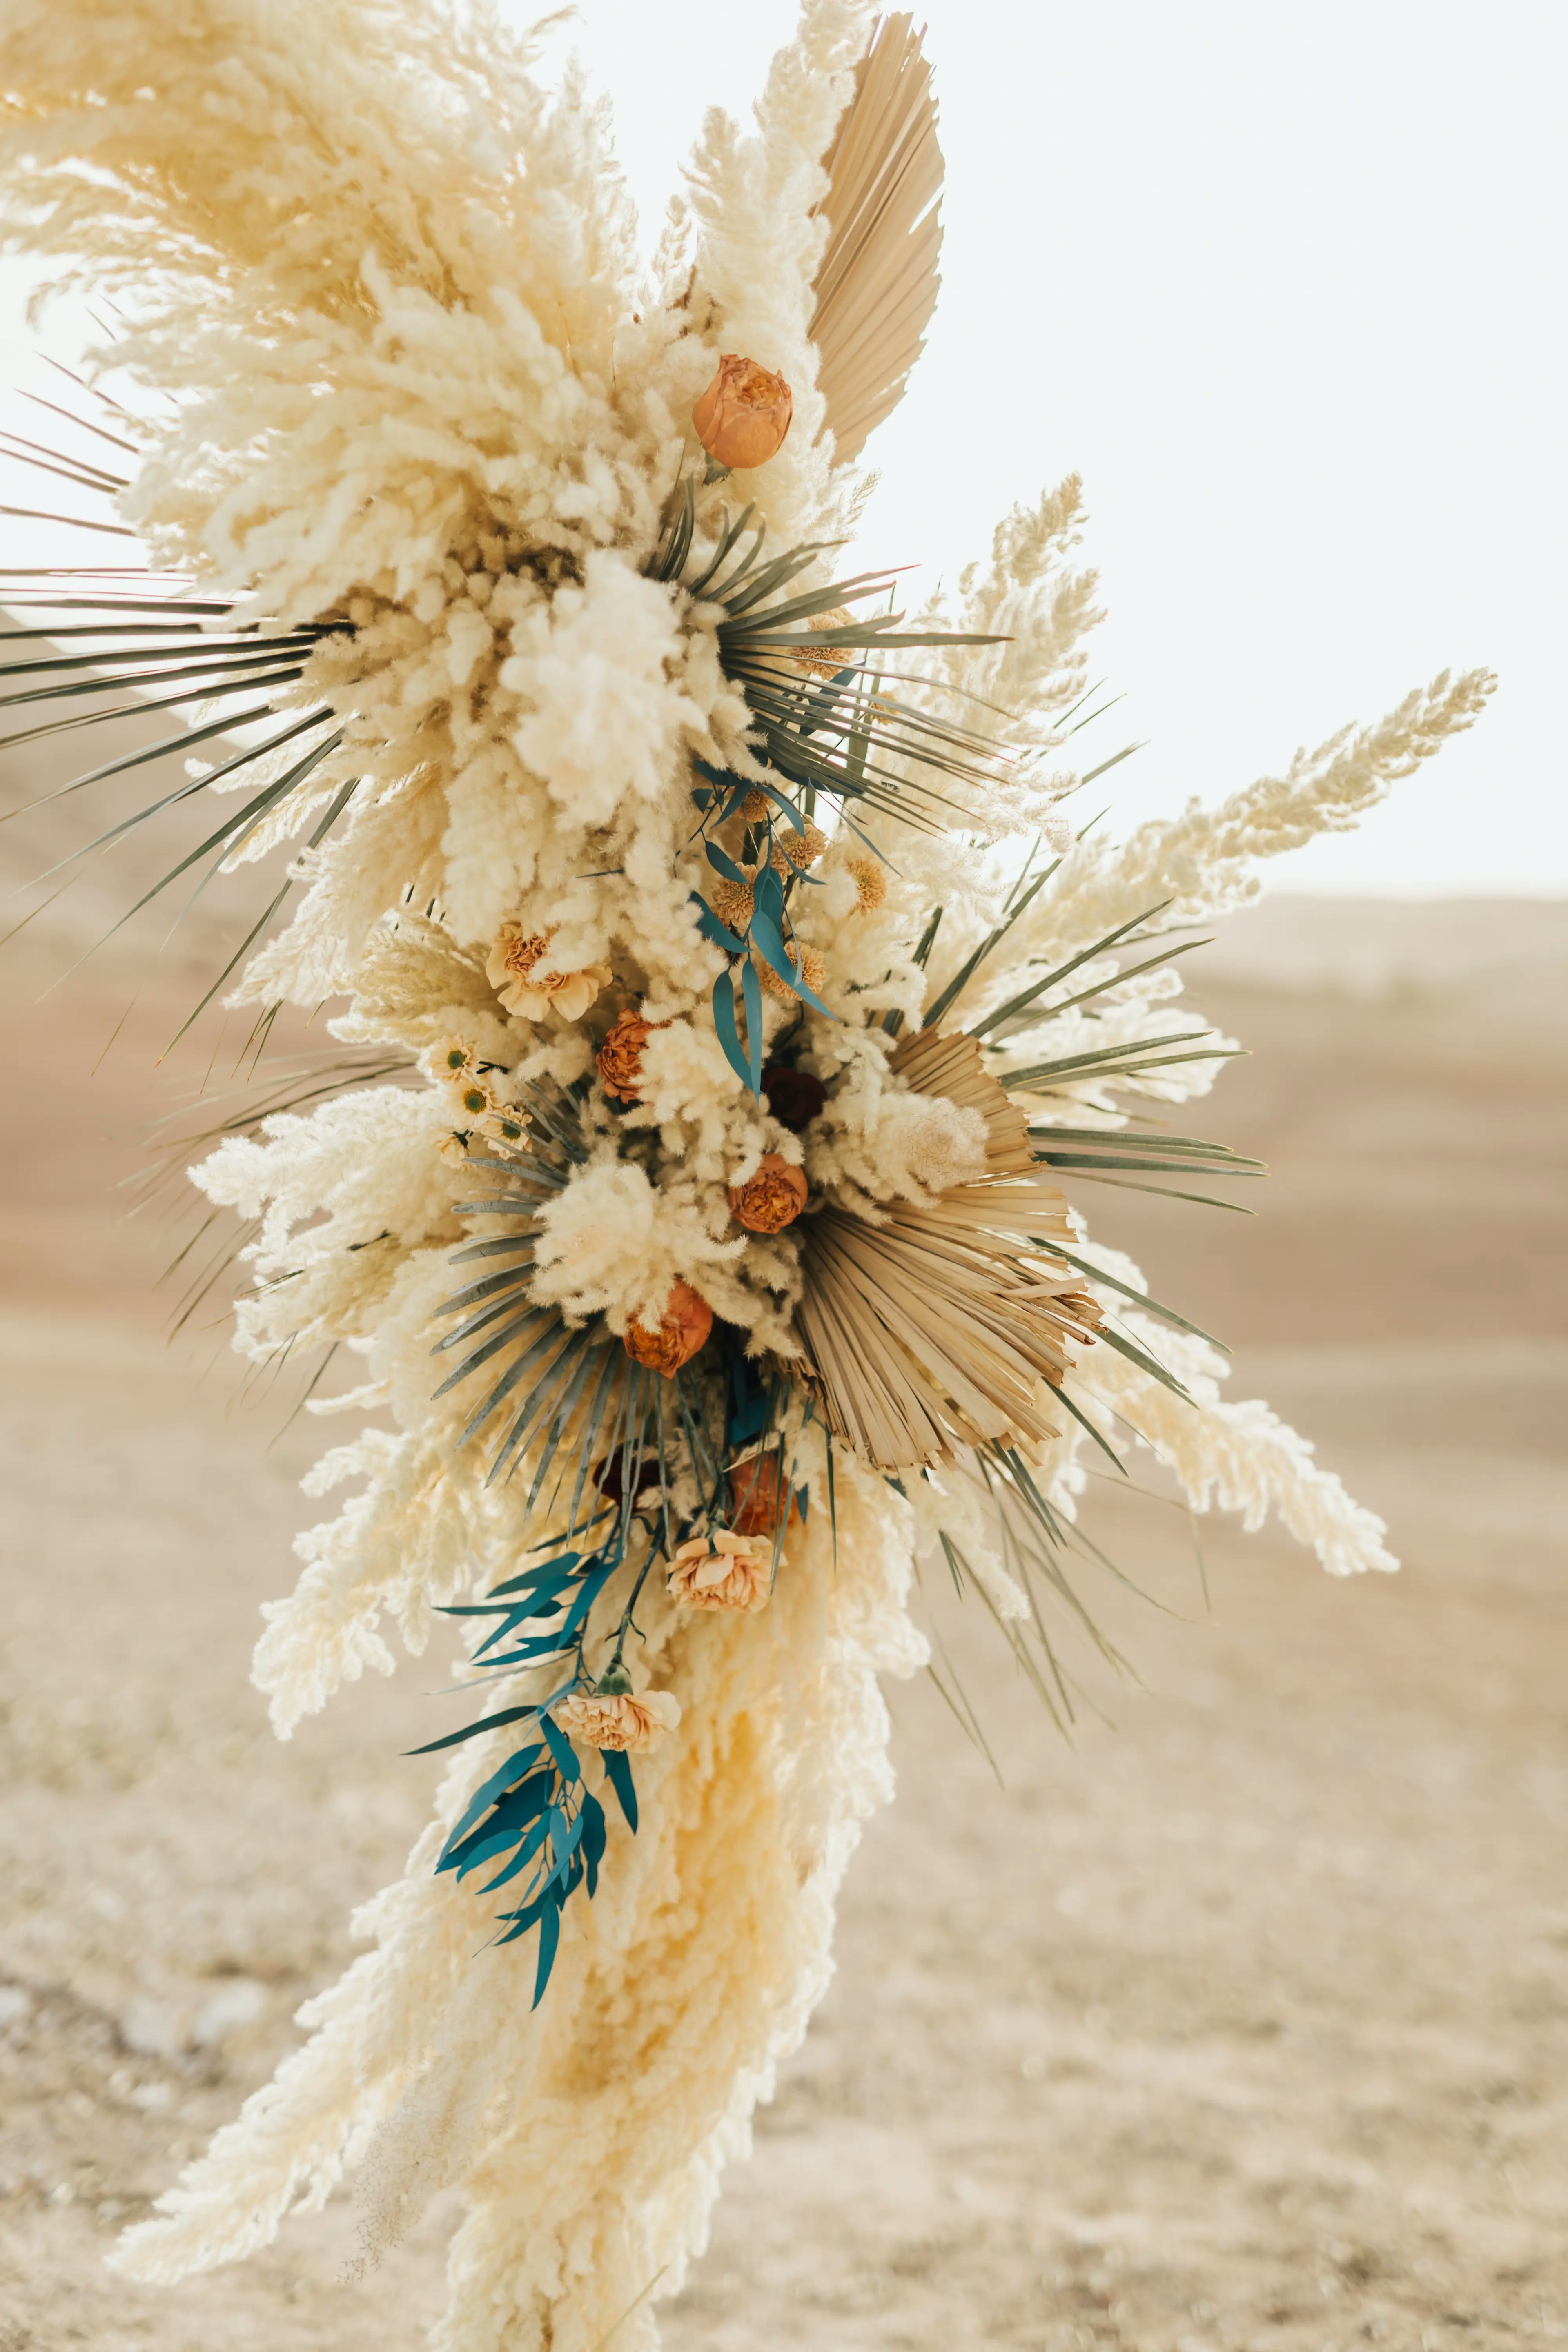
(1504,952)
(1235,2024)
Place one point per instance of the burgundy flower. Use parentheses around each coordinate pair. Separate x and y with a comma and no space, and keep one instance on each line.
(794,1097)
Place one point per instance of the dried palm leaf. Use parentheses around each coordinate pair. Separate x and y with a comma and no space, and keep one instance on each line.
(877,286)
(951,1066)
(951,1325)
(827,717)
(100,644)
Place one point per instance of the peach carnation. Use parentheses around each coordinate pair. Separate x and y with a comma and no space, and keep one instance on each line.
(680,1331)
(722,1571)
(621,1720)
(771,1199)
(510,968)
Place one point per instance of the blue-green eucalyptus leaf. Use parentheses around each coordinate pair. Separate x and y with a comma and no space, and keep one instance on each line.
(618,1772)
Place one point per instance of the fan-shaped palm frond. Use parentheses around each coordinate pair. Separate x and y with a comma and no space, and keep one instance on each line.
(954,1324)
(877,285)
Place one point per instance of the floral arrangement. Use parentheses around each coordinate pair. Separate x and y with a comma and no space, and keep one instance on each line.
(735,1010)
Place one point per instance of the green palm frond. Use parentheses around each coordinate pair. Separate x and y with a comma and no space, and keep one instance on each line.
(295,1083)
(826,717)
(543,1378)
(1133,1058)
(104,646)
(212,1250)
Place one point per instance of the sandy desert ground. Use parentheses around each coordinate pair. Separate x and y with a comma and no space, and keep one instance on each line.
(1239,2022)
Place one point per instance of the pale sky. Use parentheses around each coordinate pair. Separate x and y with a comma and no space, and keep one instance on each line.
(1285,287)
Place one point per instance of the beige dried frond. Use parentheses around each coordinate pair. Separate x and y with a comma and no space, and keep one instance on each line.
(947,1326)
(933,1063)
(877,286)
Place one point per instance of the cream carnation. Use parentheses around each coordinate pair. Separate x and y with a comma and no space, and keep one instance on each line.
(512,969)
(619,1720)
(722,1571)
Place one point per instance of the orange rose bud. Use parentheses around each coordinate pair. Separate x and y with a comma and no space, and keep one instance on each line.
(680,1331)
(744,416)
(620,1056)
(758,1496)
(771,1199)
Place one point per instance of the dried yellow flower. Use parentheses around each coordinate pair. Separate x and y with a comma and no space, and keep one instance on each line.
(798,849)
(808,966)
(870,882)
(829,660)
(734,903)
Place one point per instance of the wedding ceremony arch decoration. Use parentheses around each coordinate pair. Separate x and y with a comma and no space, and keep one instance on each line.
(734,1006)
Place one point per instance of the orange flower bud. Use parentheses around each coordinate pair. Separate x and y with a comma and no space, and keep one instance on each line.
(771,1199)
(680,1331)
(744,416)
(620,1056)
(759,1497)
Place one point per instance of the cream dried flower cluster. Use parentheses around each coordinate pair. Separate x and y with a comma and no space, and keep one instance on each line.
(741,1012)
